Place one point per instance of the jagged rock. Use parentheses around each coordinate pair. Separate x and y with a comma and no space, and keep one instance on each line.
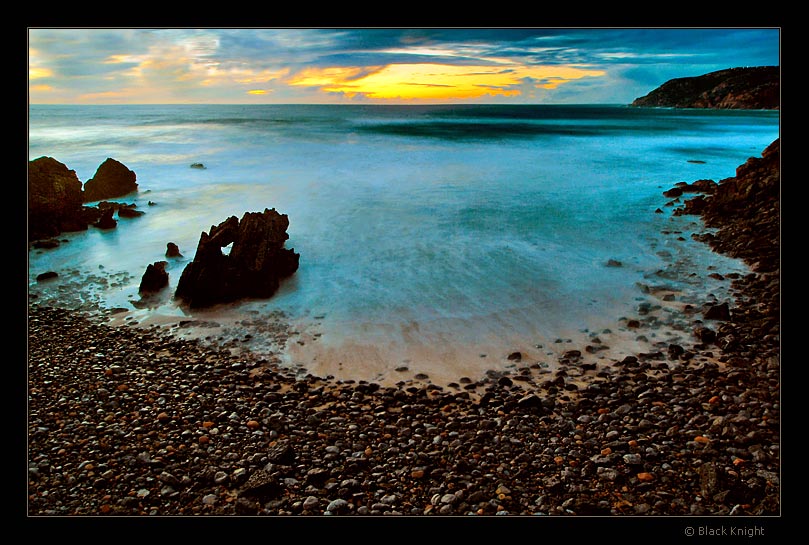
(254,267)
(54,199)
(155,278)
(111,180)
(746,210)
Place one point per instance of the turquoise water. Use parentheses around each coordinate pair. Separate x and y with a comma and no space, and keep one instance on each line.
(472,229)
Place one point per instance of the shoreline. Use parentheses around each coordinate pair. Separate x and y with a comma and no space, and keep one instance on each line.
(131,421)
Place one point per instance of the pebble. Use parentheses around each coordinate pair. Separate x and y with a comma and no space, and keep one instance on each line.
(129,421)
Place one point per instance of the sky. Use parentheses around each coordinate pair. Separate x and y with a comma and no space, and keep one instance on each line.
(378,65)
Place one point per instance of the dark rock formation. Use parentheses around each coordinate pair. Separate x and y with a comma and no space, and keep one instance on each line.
(746,209)
(47,276)
(54,199)
(172,250)
(105,219)
(111,180)
(45,244)
(129,211)
(752,88)
(254,267)
(155,278)
(744,212)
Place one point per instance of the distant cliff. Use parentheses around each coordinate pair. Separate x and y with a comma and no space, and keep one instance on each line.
(750,88)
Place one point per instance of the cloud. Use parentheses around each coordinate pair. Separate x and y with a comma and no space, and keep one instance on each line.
(313,64)
(430,81)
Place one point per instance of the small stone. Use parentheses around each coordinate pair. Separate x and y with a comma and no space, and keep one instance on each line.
(646,477)
(632,459)
(209,499)
(336,506)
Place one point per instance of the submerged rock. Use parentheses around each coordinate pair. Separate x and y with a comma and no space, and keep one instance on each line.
(254,267)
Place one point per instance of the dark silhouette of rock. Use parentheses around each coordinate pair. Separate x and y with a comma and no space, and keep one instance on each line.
(46,276)
(254,267)
(54,199)
(172,250)
(746,209)
(105,220)
(718,312)
(155,278)
(45,244)
(198,165)
(750,88)
(111,180)
(129,211)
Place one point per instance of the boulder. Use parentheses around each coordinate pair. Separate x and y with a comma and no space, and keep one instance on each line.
(47,276)
(155,278)
(172,250)
(253,268)
(111,180)
(54,199)
(717,312)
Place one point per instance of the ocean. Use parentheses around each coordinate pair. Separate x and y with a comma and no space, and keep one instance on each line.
(434,240)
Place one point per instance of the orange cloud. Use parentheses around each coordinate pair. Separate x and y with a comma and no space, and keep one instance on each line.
(437,81)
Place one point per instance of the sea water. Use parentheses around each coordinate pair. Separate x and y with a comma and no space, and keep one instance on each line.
(439,239)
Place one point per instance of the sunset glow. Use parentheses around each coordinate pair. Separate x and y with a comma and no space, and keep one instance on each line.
(441,81)
(377,66)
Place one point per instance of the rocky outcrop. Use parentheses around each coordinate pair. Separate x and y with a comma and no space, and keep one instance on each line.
(155,278)
(751,88)
(111,180)
(54,199)
(745,210)
(744,214)
(254,267)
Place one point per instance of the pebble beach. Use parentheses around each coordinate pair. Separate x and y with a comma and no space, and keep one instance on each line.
(126,421)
